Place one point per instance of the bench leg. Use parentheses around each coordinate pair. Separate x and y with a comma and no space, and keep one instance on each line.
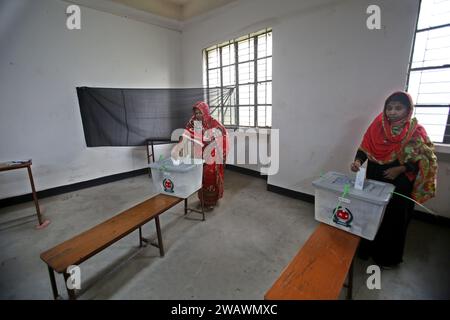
(148,159)
(160,241)
(143,239)
(70,292)
(53,283)
(186,209)
(350,282)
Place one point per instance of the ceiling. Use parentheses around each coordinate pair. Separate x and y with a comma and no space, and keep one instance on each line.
(180,10)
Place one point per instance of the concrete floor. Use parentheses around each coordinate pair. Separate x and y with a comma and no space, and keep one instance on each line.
(237,253)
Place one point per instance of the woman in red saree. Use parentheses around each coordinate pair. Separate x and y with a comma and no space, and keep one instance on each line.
(399,152)
(211,138)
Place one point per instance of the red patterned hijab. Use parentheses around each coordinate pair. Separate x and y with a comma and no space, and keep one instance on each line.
(380,143)
(208,122)
(207,119)
(404,140)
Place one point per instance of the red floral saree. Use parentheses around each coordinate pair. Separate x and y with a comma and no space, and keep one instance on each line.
(214,147)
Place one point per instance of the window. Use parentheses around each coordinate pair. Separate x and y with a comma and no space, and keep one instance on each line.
(246,65)
(429,69)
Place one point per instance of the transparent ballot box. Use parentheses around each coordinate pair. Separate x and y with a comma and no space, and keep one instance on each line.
(179,180)
(339,204)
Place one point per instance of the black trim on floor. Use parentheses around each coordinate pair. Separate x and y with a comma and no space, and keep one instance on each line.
(291,193)
(71,187)
(248,172)
(418,215)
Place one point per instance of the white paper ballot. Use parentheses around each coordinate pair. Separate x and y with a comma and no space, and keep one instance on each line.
(360,177)
(176,162)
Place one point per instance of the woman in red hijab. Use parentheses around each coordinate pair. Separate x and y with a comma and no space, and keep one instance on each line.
(211,137)
(399,152)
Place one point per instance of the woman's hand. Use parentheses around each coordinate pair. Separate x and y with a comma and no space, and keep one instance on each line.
(394,172)
(355,165)
(175,153)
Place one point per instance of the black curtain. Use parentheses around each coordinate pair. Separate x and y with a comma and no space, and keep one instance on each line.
(128,117)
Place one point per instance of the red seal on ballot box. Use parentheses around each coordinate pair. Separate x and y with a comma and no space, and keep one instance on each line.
(342,216)
(168,185)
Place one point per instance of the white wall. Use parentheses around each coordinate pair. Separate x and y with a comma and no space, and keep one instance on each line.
(41,64)
(330,76)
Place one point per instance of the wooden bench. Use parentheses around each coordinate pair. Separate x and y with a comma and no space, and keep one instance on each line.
(83,246)
(319,269)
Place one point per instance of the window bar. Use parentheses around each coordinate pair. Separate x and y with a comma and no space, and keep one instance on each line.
(412,50)
(255,78)
(445,66)
(432,105)
(434,28)
(247,61)
(421,73)
(236,56)
(265,56)
(207,79)
(221,86)
(447,129)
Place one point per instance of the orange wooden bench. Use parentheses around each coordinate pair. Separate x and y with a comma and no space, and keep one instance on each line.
(83,246)
(319,269)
